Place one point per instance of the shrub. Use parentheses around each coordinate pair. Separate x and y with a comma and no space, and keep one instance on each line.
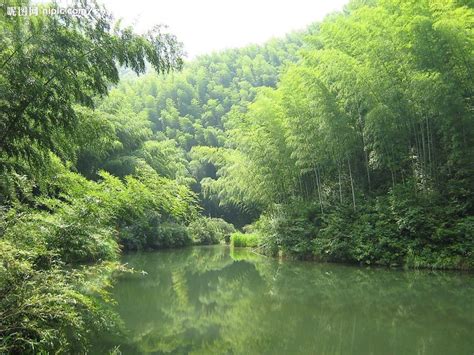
(151,232)
(49,303)
(206,230)
(407,227)
(68,234)
(75,234)
(49,310)
(170,235)
(290,228)
(151,211)
(334,241)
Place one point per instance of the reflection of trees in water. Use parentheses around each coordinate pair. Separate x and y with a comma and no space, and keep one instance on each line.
(190,292)
(341,309)
(207,300)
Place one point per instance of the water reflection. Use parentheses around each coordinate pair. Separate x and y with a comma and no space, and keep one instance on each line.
(215,300)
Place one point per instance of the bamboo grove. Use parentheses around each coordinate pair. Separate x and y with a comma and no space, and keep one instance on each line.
(364,151)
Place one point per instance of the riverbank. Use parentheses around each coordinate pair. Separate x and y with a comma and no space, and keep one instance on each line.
(398,229)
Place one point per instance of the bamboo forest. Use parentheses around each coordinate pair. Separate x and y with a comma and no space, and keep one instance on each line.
(312,194)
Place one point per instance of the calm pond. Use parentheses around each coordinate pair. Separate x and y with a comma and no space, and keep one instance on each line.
(206,300)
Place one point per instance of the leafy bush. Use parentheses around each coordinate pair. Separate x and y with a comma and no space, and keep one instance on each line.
(404,228)
(334,241)
(152,211)
(206,230)
(290,228)
(50,310)
(86,220)
(245,240)
(69,234)
(151,232)
(48,302)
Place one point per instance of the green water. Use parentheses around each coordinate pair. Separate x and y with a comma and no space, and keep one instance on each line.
(207,300)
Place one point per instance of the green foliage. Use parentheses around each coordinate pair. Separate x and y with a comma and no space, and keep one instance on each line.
(206,230)
(363,142)
(159,119)
(402,229)
(50,63)
(48,309)
(289,228)
(47,306)
(245,240)
(150,232)
(360,152)
(53,71)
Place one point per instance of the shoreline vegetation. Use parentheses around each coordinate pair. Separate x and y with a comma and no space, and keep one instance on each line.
(351,142)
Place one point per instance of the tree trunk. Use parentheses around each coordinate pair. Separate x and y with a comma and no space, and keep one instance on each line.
(352,185)
(318,183)
(340,183)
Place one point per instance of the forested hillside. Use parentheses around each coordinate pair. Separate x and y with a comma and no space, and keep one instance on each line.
(364,152)
(351,141)
(160,118)
(361,152)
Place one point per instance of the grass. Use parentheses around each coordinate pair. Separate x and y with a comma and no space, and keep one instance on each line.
(248,240)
